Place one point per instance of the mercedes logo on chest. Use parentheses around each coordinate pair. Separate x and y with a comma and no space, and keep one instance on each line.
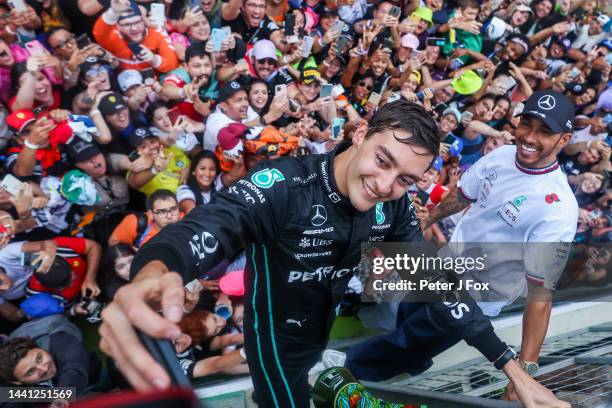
(320,215)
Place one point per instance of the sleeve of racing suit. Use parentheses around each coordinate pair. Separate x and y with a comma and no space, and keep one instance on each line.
(251,210)
(462,315)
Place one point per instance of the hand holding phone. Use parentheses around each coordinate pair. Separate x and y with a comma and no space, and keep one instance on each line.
(375,98)
(326,90)
(11,184)
(336,128)
(217,38)
(35,48)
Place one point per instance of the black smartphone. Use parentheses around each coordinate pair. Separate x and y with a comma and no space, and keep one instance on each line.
(388,43)
(289,24)
(132,157)
(83,41)
(135,48)
(439,108)
(435,41)
(163,352)
(395,11)
(147,73)
(495,59)
(450,139)
(341,45)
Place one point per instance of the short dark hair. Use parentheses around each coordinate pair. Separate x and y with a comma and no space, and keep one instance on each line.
(59,275)
(158,195)
(11,354)
(196,49)
(468,4)
(153,107)
(523,38)
(410,117)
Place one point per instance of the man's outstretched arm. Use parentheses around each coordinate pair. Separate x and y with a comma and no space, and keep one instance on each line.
(454,202)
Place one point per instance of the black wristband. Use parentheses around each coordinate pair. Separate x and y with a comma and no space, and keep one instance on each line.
(501,361)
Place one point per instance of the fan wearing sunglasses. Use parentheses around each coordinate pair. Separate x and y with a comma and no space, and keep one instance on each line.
(360,93)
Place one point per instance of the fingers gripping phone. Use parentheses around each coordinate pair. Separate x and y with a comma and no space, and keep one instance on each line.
(163,352)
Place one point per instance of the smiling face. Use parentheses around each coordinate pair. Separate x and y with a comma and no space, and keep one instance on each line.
(36,366)
(161,119)
(237,106)
(264,67)
(311,90)
(199,30)
(484,108)
(512,52)
(43,93)
(536,145)
(363,88)
(556,51)
(501,109)
(519,18)
(543,9)
(428,178)
(586,97)
(205,173)
(132,29)
(100,73)
(382,167)
(258,95)
(448,123)
(200,67)
(254,11)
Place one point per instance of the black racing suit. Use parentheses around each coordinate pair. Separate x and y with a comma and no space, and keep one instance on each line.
(302,239)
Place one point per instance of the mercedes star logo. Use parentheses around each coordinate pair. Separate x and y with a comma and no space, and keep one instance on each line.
(320,215)
(547,102)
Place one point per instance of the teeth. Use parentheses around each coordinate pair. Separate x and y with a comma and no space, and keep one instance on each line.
(529,148)
(369,190)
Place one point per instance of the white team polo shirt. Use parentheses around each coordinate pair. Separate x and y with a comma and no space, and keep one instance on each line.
(514,204)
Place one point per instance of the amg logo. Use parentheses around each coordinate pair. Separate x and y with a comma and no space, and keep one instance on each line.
(318,231)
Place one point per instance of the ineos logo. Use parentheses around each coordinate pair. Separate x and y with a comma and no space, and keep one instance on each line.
(320,216)
(547,102)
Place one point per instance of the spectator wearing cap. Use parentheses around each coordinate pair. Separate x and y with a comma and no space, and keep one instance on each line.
(120,25)
(264,60)
(170,166)
(408,44)
(230,153)
(248,19)
(423,18)
(112,189)
(232,106)
(138,94)
(33,153)
(116,114)
(588,36)
(95,69)
(185,84)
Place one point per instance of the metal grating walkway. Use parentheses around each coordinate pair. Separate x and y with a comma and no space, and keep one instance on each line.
(577,367)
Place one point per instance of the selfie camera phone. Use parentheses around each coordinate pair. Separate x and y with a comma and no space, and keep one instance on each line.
(338,26)
(436,41)
(341,45)
(83,41)
(280,89)
(217,37)
(158,14)
(307,44)
(395,11)
(11,184)
(375,98)
(35,48)
(326,90)
(337,124)
(163,352)
(17,5)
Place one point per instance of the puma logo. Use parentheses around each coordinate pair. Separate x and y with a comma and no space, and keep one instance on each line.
(297,322)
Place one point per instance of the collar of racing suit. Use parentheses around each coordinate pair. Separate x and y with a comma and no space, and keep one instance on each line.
(326,170)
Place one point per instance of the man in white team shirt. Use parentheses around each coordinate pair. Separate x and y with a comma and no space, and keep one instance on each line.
(518,194)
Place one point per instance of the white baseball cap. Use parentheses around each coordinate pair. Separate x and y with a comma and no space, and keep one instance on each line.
(264,49)
(410,41)
(128,79)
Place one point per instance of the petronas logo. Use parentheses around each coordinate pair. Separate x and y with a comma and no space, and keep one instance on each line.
(380,215)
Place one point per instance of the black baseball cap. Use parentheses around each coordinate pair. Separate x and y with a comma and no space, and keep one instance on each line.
(111,104)
(139,135)
(229,89)
(81,150)
(553,108)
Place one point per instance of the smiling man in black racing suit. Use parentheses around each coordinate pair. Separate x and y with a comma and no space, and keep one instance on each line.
(301,222)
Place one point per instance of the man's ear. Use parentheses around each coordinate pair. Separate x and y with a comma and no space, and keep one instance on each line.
(565,139)
(360,133)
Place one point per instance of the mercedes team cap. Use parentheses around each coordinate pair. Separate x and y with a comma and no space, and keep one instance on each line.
(128,79)
(229,89)
(553,108)
(81,150)
(139,135)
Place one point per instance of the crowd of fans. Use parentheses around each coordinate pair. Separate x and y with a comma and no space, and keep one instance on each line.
(119,117)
